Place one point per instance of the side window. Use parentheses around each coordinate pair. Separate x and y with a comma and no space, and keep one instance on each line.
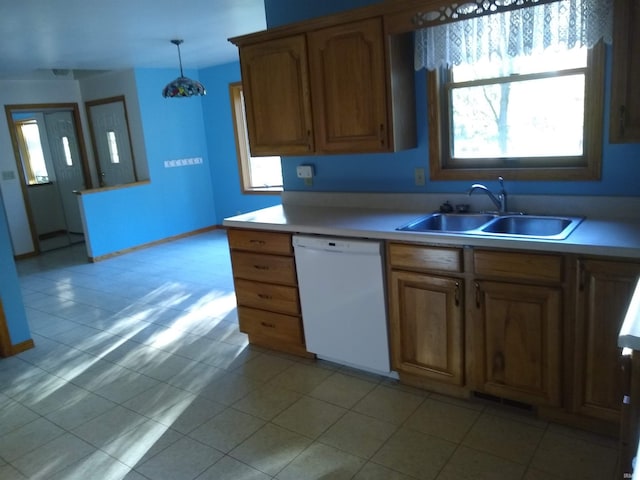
(257,174)
(31,152)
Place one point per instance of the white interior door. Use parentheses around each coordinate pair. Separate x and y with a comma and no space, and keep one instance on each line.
(112,144)
(65,157)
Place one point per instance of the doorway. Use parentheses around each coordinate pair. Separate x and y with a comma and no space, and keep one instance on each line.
(109,127)
(51,160)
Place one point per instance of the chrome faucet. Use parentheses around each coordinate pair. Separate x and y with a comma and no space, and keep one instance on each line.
(500,201)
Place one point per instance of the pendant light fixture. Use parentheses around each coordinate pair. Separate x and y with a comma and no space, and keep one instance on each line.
(182,86)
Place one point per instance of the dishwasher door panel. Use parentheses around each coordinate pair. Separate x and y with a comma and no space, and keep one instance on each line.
(343,302)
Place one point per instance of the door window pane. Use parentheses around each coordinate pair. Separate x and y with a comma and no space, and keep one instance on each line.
(113,147)
(67,152)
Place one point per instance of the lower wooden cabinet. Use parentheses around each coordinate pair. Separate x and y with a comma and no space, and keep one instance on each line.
(426,326)
(518,334)
(266,288)
(604,289)
(501,335)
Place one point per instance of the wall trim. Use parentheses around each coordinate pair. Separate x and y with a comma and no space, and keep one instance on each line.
(6,348)
(22,347)
(117,253)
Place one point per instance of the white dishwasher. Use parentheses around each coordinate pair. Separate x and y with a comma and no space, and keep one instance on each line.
(342,296)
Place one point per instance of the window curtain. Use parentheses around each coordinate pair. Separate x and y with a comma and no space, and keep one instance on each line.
(560,25)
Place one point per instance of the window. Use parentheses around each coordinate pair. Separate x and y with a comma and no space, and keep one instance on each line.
(31,151)
(521,122)
(515,98)
(257,174)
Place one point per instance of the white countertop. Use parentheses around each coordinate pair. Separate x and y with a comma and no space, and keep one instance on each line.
(613,238)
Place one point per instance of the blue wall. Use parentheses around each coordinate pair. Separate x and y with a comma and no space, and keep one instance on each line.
(281,12)
(180,199)
(394,172)
(10,292)
(218,124)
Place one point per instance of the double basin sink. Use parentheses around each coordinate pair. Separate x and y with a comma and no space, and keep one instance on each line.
(509,225)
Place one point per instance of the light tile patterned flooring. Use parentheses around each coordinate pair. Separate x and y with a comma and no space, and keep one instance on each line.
(139,371)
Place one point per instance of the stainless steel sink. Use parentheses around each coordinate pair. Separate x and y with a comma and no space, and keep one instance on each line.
(522,226)
(448,222)
(555,228)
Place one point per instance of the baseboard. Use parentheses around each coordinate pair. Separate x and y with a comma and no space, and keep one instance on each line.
(153,244)
(22,347)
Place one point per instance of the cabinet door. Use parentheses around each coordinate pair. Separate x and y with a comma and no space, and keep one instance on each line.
(426,326)
(276,93)
(518,334)
(625,94)
(348,72)
(604,293)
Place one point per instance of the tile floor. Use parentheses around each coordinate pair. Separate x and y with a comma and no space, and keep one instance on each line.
(140,372)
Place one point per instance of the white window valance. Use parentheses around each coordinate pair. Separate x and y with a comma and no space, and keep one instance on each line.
(564,24)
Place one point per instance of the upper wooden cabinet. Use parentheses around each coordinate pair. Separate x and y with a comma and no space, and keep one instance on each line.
(625,94)
(346,88)
(275,83)
(348,84)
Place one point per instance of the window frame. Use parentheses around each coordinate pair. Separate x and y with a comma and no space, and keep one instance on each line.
(243,153)
(443,167)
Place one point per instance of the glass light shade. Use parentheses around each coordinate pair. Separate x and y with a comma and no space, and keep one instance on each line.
(183,87)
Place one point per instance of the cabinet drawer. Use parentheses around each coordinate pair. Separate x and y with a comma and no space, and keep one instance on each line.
(264,268)
(282,328)
(268,242)
(425,257)
(275,298)
(526,266)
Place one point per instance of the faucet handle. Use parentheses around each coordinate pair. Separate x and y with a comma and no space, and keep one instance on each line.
(501,180)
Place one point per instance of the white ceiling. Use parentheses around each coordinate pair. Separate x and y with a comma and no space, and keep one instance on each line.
(119,34)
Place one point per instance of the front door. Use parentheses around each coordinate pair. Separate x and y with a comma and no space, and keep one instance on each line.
(65,157)
(112,147)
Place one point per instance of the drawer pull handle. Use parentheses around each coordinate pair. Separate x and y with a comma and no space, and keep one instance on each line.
(261,267)
(268,325)
(257,242)
(457,294)
(477,295)
(264,296)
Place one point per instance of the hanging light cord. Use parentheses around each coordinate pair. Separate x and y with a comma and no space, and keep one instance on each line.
(177,43)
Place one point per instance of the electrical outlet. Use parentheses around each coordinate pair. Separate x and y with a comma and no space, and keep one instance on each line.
(304,171)
(418,175)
